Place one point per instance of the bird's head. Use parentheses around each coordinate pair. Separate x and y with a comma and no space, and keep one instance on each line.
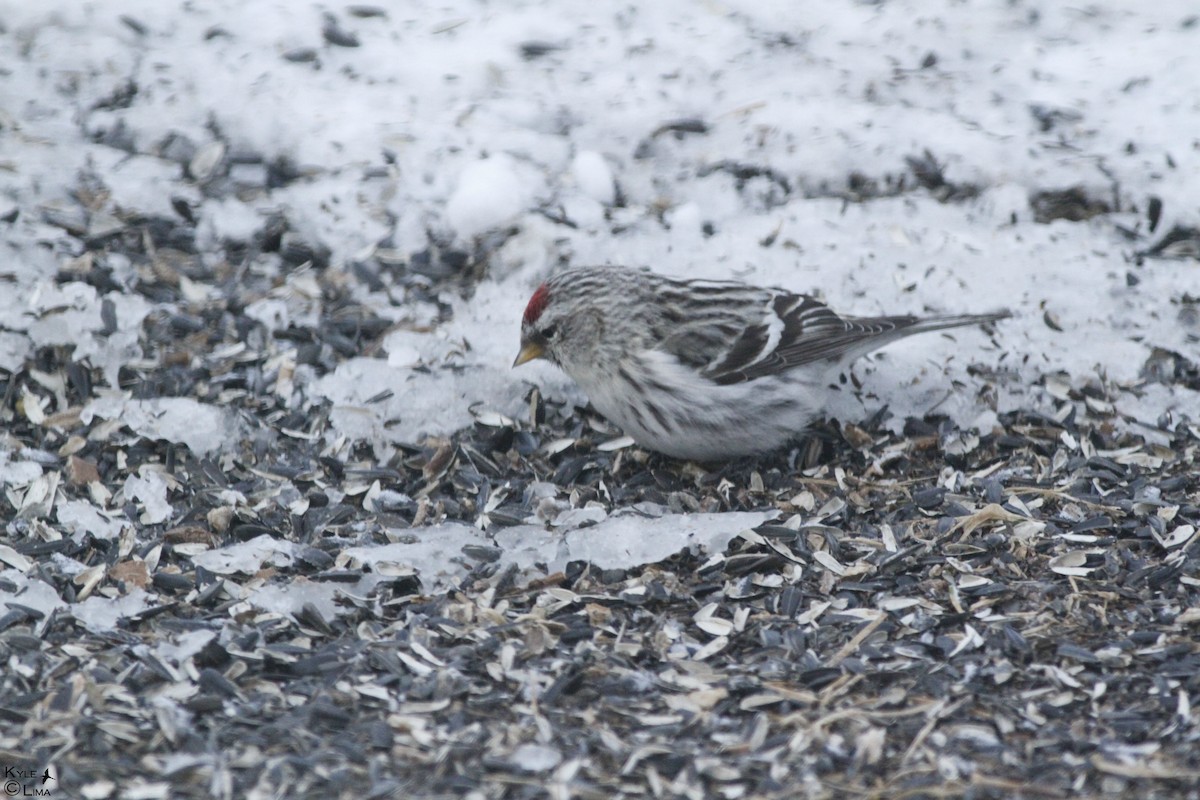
(559,328)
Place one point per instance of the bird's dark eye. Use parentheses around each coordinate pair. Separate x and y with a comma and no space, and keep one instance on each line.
(549,332)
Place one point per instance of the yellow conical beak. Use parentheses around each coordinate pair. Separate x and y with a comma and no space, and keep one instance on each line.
(529,351)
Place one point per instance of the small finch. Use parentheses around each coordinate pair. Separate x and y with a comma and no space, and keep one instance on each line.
(702,370)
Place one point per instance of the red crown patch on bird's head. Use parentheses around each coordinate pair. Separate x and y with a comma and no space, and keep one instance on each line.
(537,304)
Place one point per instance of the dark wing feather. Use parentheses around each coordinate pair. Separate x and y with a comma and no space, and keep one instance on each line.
(804,330)
(811,332)
(697,320)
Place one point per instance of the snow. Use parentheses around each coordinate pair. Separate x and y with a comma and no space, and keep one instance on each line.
(81,518)
(247,557)
(99,614)
(489,194)
(533,757)
(438,126)
(72,314)
(622,541)
(625,541)
(594,177)
(150,489)
(291,597)
(381,403)
(432,552)
(203,428)
(28,591)
(13,349)
(183,646)
(17,472)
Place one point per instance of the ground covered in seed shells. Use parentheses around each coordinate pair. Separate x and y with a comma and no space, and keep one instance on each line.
(279,522)
(930,614)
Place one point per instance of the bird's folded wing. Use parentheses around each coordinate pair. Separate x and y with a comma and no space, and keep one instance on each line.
(797,330)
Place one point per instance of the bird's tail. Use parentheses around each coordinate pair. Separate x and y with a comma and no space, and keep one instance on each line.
(876,332)
(910,325)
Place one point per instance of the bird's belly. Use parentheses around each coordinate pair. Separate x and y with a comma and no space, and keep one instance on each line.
(707,422)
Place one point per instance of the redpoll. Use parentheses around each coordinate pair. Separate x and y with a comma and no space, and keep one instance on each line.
(702,370)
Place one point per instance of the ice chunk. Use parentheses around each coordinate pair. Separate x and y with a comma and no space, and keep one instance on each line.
(419,403)
(271,312)
(151,489)
(434,552)
(593,177)
(533,757)
(684,220)
(579,517)
(28,591)
(489,194)
(620,542)
(13,349)
(79,517)
(18,473)
(184,646)
(203,428)
(247,557)
(99,614)
(630,540)
(290,598)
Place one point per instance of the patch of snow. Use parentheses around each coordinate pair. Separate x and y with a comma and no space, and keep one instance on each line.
(150,488)
(99,614)
(247,557)
(182,646)
(489,194)
(594,178)
(271,312)
(627,540)
(203,428)
(434,553)
(779,105)
(67,565)
(80,518)
(102,330)
(13,350)
(623,541)
(290,598)
(29,591)
(376,402)
(17,473)
(533,757)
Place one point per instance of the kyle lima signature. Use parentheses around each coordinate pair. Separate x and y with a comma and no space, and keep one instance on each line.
(14,782)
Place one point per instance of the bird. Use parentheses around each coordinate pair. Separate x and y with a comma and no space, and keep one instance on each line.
(702,370)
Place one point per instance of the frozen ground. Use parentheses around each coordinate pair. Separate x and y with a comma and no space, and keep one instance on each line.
(453,121)
(429,163)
